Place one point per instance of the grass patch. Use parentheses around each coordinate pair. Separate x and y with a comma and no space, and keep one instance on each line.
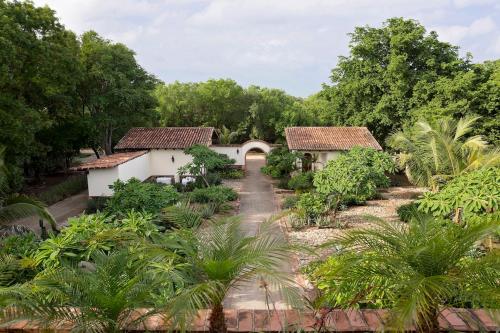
(63,190)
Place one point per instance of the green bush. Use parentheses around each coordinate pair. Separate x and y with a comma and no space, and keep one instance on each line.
(290,202)
(232,174)
(302,181)
(217,194)
(280,162)
(407,211)
(88,234)
(476,192)
(19,245)
(335,293)
(354,176)
(312,204)
(96,204)
(138,196)
(63,190)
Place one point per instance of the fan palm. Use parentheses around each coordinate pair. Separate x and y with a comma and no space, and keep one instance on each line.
(17,206)
(433,153)
(223,257)
(419,267)
(100,297)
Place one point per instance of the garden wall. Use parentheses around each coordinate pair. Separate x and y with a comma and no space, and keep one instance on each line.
(463,320)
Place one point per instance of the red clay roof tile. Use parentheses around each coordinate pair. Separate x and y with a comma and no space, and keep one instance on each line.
(110,161)
(165,137)
(329,138)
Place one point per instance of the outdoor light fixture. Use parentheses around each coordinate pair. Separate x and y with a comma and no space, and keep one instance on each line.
(237,151)
(173,159)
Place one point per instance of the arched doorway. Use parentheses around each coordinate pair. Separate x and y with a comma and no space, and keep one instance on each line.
(254,152)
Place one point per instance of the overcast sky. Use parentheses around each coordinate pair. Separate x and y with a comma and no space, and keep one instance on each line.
(286,44)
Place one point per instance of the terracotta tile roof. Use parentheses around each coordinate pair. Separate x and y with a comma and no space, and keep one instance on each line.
(329,138)
(110,160)
(165,137)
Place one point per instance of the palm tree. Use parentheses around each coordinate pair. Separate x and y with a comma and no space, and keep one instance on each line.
(101,296)
(17,206)
(433,153)
(223,257)
(226,136)
(419,267)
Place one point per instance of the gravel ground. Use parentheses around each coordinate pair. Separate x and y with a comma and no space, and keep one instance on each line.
(353,217)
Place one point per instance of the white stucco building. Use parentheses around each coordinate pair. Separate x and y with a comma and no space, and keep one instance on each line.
(321,144)
(158,153)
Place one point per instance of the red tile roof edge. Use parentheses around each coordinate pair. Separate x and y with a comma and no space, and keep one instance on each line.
(452,319)
(109,161)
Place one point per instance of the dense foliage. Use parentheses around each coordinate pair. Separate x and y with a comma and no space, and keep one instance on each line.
(139,196)
(61,92)
(280,162)
(476,192)
(302,181)
(205,163)
(413,269)
(432,154)
(354,176)
(216,194)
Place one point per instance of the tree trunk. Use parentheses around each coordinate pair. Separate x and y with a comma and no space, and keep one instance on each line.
(108,138)
(217,320)
(96,152)
(428,321)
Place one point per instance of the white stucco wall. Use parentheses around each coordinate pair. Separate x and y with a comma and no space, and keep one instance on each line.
(233,152)
(138,167)
(161,162)
(238,152)
(322,157)
(99,181)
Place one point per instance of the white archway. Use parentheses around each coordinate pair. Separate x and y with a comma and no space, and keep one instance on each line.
(255,144)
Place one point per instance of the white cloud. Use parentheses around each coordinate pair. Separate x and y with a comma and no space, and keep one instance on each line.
(457,33)
(289,44)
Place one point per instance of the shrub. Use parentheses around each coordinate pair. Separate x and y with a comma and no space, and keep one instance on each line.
(63,190)
(232,174)
(354,175)
(96,204)
(138,196)
(280,162)
(181,216)
(407,211)
(476,192)
(217,194)
(205,161)
(19,245)
(88,234)
(302,181)
(312,204)
(290,202)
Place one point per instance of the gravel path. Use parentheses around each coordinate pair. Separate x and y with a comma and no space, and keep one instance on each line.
(354,217)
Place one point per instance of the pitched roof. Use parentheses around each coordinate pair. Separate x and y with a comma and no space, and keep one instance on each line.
(329,138)
(110,161)
(165,137)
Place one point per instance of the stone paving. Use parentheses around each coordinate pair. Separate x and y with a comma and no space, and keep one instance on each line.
(257,204)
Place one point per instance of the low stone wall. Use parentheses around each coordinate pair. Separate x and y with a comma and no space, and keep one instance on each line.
(463,320)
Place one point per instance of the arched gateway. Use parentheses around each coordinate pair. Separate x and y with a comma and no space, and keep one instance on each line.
(238,152)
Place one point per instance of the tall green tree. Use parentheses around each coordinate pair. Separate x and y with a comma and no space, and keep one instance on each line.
(115,90)
(39,74)
(373,86)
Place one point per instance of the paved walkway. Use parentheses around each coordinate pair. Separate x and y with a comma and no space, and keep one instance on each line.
(256,205)
(61,211)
